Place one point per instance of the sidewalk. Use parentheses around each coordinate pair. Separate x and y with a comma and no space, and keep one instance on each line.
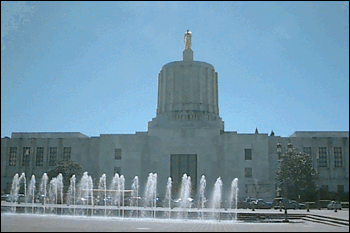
(341,214)
(55,223)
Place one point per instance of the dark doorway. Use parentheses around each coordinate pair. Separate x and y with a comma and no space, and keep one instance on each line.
(179,165)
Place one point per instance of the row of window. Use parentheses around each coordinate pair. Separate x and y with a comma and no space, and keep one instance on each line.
(322,153)
(39,158)
(323,158)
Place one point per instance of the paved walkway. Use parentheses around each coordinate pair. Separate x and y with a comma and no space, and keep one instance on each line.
(55,223)
(342,214)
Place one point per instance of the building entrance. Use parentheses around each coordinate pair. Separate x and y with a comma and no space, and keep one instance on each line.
(179,165)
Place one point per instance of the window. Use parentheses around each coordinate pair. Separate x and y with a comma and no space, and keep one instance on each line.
(246,187)
(307,150)
(117,170)
(248,154)
(66,153)
(324,188)
(338,157)
(26,156)
(53,156)
(118,154)
(322,161)
(12,157)
(248,172)
(340,188)
(39,156)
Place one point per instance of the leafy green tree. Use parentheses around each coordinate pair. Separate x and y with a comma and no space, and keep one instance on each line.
(295,175)
(67,168)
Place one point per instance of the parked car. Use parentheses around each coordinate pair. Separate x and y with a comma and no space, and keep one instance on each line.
(86,200)
(334,205)
(323,203)
(312,204)
(290,204)
(178,202)
(17,197)
(100,200)
(241,204)
(249,202)
(301,206)
(295,205)
(4,197)
(261,204)
(40,198)
(277,203)
(344,204)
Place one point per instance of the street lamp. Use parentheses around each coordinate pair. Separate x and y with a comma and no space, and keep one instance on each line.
(317,184)
(279,150)
(285,201)
(289,148)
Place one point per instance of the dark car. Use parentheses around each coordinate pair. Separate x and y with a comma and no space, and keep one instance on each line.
(249,202)
(4,197)
(277,203)
(281,202)
(86,201)
(41,198)
(101,200)
(241,204)
(290,204)
(261,204)
(296,205)
(178,202)
(17,197)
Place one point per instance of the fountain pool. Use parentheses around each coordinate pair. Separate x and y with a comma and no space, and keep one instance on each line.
(115,200)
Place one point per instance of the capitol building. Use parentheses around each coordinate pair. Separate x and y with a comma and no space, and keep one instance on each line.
(187,135)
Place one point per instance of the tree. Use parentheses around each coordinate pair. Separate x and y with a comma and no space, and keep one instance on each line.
(295,175)
(67,168)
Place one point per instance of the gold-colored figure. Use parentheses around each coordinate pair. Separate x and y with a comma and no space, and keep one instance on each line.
(187,39)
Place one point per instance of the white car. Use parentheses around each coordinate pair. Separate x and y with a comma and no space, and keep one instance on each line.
(334,205)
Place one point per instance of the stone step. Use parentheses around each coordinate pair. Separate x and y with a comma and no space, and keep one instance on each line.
(326,220)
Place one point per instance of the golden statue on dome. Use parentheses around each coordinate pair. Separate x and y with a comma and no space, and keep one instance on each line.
(187,39)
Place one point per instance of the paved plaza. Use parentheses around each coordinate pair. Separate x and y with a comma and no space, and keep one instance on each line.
(55,223)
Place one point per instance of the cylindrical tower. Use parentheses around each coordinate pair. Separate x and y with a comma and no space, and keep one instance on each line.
(187,92)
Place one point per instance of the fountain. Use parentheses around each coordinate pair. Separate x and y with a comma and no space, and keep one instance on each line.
(14,190)
(121,188)
(83,200)
(202,198)
(185,196)
(42,190)
(31,191)
(102,190)
(150,196)
(168,194)
(216,197)
(85,194)
(134,194)
(59,186)
(234,195)
(115,192)
(71,193)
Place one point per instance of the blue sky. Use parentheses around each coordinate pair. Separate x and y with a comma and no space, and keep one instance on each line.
(92,67)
